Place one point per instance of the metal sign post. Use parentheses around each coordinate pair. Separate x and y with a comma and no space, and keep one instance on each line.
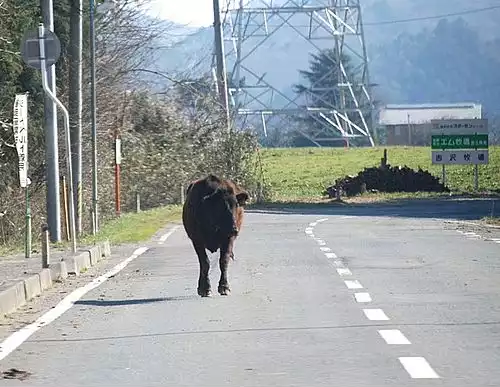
(41,49)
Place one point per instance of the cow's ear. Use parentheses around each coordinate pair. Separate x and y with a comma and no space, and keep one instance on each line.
(242,198)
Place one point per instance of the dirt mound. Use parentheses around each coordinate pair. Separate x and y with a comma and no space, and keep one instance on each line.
(387,179)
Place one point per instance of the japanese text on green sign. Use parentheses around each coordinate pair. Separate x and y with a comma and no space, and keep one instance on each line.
(460,141)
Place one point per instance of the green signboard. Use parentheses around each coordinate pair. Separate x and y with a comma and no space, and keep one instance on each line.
(460,141)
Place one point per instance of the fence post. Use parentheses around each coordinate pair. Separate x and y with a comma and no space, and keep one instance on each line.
(259,192)
(45,247)
(137,202)
(92,221)
(65,207)
(182,193)
(337,191)
(27,249)
(383,161)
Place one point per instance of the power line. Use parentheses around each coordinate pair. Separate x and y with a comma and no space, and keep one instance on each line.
(470,11)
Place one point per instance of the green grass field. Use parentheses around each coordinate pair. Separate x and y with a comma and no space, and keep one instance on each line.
(136,227)
(302,174)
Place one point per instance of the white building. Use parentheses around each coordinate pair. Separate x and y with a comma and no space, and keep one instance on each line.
(411,124)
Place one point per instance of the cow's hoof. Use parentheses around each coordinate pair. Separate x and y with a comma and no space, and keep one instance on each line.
(204,292)
(224,290)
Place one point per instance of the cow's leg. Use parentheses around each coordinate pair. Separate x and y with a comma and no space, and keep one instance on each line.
(226,253)
(204,288)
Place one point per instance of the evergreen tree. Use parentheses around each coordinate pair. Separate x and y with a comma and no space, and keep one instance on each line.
(322,90)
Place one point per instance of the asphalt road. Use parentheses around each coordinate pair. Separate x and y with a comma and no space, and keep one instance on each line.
(319,299)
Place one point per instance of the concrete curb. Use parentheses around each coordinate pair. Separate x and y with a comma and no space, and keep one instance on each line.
(24,291)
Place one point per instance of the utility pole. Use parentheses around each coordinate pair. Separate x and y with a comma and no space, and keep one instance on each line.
(221,66)
(93,108)
(53,203)
(75,104)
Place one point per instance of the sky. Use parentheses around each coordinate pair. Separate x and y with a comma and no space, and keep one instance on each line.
(196,13)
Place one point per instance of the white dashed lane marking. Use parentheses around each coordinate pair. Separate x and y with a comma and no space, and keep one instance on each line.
(375,315)
(343,271)
(353,284)
(362,297)
(394,337)
(418,368)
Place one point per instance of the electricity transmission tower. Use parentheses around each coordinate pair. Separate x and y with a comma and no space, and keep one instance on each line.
(251,31)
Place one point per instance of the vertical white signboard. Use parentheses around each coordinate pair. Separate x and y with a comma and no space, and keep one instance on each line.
(20,127)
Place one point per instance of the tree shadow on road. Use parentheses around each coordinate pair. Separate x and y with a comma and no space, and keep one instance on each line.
(131,301)
(442,208)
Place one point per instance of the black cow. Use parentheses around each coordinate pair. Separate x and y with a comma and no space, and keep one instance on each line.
(212,217)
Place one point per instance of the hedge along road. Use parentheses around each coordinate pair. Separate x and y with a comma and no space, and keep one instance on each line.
(371,298)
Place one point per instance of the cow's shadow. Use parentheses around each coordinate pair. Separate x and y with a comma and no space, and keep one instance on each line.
(132,301)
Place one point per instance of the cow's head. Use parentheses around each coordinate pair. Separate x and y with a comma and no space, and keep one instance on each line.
(224,209)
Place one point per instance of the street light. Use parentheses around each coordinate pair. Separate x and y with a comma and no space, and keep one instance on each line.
(107,5)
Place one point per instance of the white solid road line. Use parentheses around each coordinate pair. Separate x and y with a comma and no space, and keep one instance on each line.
(375,314)
(20,336)
(322,220)
(418,368)
(17,338)
(362,297)
(164,237)
(353,284)
(393,336)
